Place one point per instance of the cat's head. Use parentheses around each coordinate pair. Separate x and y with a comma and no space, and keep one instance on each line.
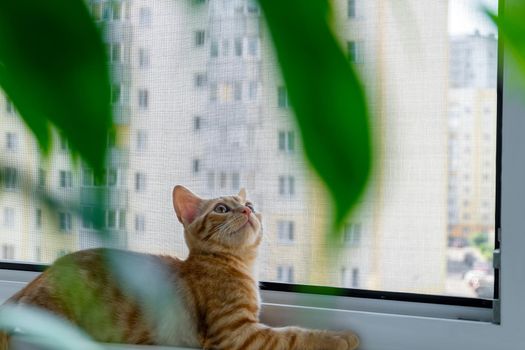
(224,224)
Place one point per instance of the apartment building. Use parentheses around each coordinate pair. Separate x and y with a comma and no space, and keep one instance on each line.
(472,134)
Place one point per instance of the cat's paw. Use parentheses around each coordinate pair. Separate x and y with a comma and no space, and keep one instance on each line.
(350,340)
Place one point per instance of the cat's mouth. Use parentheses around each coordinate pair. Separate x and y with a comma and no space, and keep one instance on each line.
(248,222)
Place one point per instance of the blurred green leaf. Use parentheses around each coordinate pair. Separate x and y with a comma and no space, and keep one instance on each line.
(327,98)
(83,299)
(146,279)
(511,27)
(42,328)
(53,68)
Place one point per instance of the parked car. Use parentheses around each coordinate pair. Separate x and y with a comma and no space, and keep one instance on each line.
(479,271)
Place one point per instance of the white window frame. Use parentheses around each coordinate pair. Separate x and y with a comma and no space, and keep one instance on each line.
(384,324)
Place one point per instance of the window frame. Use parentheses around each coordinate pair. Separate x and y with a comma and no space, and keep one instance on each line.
(415,325)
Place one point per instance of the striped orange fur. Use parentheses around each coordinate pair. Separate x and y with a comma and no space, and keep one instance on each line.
(216,285)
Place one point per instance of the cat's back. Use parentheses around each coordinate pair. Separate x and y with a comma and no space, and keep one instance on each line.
(83,289)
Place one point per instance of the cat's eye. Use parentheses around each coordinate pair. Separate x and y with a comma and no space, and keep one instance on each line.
(250,205)
(221,208)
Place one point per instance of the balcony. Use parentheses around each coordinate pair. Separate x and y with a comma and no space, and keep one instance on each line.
(112,198)
(121,114)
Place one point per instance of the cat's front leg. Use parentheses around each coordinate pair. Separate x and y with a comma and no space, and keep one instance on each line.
(318,340)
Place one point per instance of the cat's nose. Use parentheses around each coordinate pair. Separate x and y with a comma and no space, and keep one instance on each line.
(246,211)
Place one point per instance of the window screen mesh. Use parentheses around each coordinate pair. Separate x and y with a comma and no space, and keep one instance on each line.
(199,101)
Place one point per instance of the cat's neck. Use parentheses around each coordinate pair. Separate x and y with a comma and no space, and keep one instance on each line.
(244,260)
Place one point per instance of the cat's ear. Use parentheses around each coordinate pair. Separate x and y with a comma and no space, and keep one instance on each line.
(242,194)
(186,204)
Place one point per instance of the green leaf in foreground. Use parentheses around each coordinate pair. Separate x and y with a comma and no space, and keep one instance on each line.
(327,98)
(511,27)
(42,328)
(53,68)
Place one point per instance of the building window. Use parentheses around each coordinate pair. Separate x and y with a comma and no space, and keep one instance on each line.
(116,10)
(38,218)
(106,11)
(351,8)
(41,178)
(214,49)
(252,7)
(114,52)
(87,177)
(349,279)
(65,179)
(38,254)
(282,97)
(143,58)
(200,79)
(213,92)
(210,180)
(9,217)
(115,94)
(64,143)
(236,181)
(112,177)
(196,123)
(10,177)
(253,88)
(355,277)
(96,11)
(253,47)
(140,223)
(285,231)
(8,252)
(225,47)
(11,141)
(286,141)
(88,217)
(196,166)
(285,273)
(199,38)
(142,140)
(237,91)
(286,185)
(145,16)
(115,219)
(112,138)
(354,49)
(140,182)
(64,219)
(222,180)
(352,234)
(238,47)
(9,106)
(143,99)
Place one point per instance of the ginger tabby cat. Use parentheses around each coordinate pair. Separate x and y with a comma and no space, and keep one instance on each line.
(216,284)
